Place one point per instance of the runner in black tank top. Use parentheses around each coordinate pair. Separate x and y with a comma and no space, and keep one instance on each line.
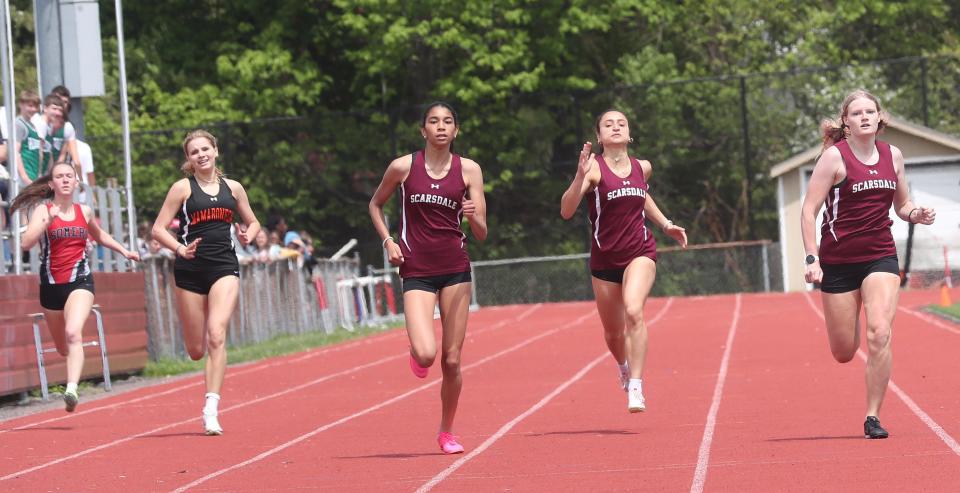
(438,188)
(206,270)
(622,253)
(863,177)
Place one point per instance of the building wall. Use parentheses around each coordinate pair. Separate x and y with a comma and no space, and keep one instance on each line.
(123,305)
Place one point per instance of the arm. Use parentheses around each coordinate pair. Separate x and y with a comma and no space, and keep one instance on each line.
(587,177)
(177,194)
(396,172)
(70,146)
(104,238)
(655,215)
(904,207)
(39,220)
(21,170)
(475,207)
(250,227)
(828,171)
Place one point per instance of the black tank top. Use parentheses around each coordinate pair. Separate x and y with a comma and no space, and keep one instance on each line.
(209,217)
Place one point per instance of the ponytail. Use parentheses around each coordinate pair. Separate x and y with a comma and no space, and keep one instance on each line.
(33,194)
(833,131)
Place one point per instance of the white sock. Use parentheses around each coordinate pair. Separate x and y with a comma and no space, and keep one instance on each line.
(636,384)
(213,401)
(72,387)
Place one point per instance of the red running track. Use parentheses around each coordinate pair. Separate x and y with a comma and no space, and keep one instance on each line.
(742,395)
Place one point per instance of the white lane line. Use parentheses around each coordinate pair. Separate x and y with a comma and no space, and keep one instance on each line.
(930,320)
(251,368)
(231,408)
(371,409)
(920,413)
(703,455)
(536,407)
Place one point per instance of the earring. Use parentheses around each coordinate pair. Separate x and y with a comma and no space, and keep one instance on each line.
(630,140)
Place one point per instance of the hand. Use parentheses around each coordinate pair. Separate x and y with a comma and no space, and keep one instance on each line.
(813,273)
(924,215)
(189,252)
(585,164)
(242,234)
(677,233)
(135,256)
(394,254)
(469,208)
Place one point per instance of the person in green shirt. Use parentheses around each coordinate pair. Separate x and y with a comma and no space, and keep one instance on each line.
(28,142)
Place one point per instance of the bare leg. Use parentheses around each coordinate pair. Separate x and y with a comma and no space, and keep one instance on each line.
(221,303)
(841,313)
(418,309)
(880,293)
(192,308)
(454,309)
(609,296)
(637,282)
(66,328)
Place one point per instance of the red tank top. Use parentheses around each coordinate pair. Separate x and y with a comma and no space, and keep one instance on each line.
(63,249)
(856,222)
(617,219)
(430,213)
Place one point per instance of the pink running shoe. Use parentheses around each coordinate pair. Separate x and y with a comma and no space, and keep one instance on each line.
(448,443)
(418,371)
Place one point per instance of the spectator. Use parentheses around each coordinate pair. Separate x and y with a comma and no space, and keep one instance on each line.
(262,245)
(28,145)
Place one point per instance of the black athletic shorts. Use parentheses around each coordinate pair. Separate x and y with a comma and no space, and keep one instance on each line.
(843,278)
(609,275)
(200,281)
(435,283)
(54,296)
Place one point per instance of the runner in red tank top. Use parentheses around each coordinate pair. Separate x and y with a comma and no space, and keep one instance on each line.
(66,286)
(623,253)
(858,178)
(437,189)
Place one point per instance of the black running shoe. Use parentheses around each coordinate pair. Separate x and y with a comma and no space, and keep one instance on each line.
(872,428)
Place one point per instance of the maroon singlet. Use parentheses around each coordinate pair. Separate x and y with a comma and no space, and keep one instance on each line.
(431,240)
(63,249)
(617,219)
(856,222)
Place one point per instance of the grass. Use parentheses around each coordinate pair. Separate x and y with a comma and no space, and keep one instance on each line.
(951,312)
(279,345)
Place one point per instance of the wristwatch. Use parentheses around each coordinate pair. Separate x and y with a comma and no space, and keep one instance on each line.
(811,259)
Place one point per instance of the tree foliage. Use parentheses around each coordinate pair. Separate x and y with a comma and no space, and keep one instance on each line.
(312,99)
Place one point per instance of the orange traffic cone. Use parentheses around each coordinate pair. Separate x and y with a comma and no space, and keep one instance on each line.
(945,296)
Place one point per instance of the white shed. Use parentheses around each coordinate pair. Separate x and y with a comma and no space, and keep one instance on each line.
(933,171)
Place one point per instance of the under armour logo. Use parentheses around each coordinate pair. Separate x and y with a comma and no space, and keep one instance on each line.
(213,199)
(626,182)
(873,172)
(434,185)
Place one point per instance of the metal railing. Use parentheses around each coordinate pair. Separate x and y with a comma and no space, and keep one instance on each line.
(276,297)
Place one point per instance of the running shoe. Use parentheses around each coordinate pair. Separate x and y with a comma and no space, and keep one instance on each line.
(872,428)
(418,371)
(211,425)
(70,400)
(448,443)
(624,372)
(635,401)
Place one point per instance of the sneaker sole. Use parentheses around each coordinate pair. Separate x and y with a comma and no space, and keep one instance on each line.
(878,437)
(213,433)
(70,403)
(636,409)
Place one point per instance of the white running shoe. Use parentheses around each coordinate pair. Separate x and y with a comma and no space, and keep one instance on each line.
(211,426)
(635,401)
(624,376)
(70,400)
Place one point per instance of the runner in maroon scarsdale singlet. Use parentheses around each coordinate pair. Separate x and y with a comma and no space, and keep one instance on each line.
(437,189)
(66,285)
(858,178)
(623,252)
